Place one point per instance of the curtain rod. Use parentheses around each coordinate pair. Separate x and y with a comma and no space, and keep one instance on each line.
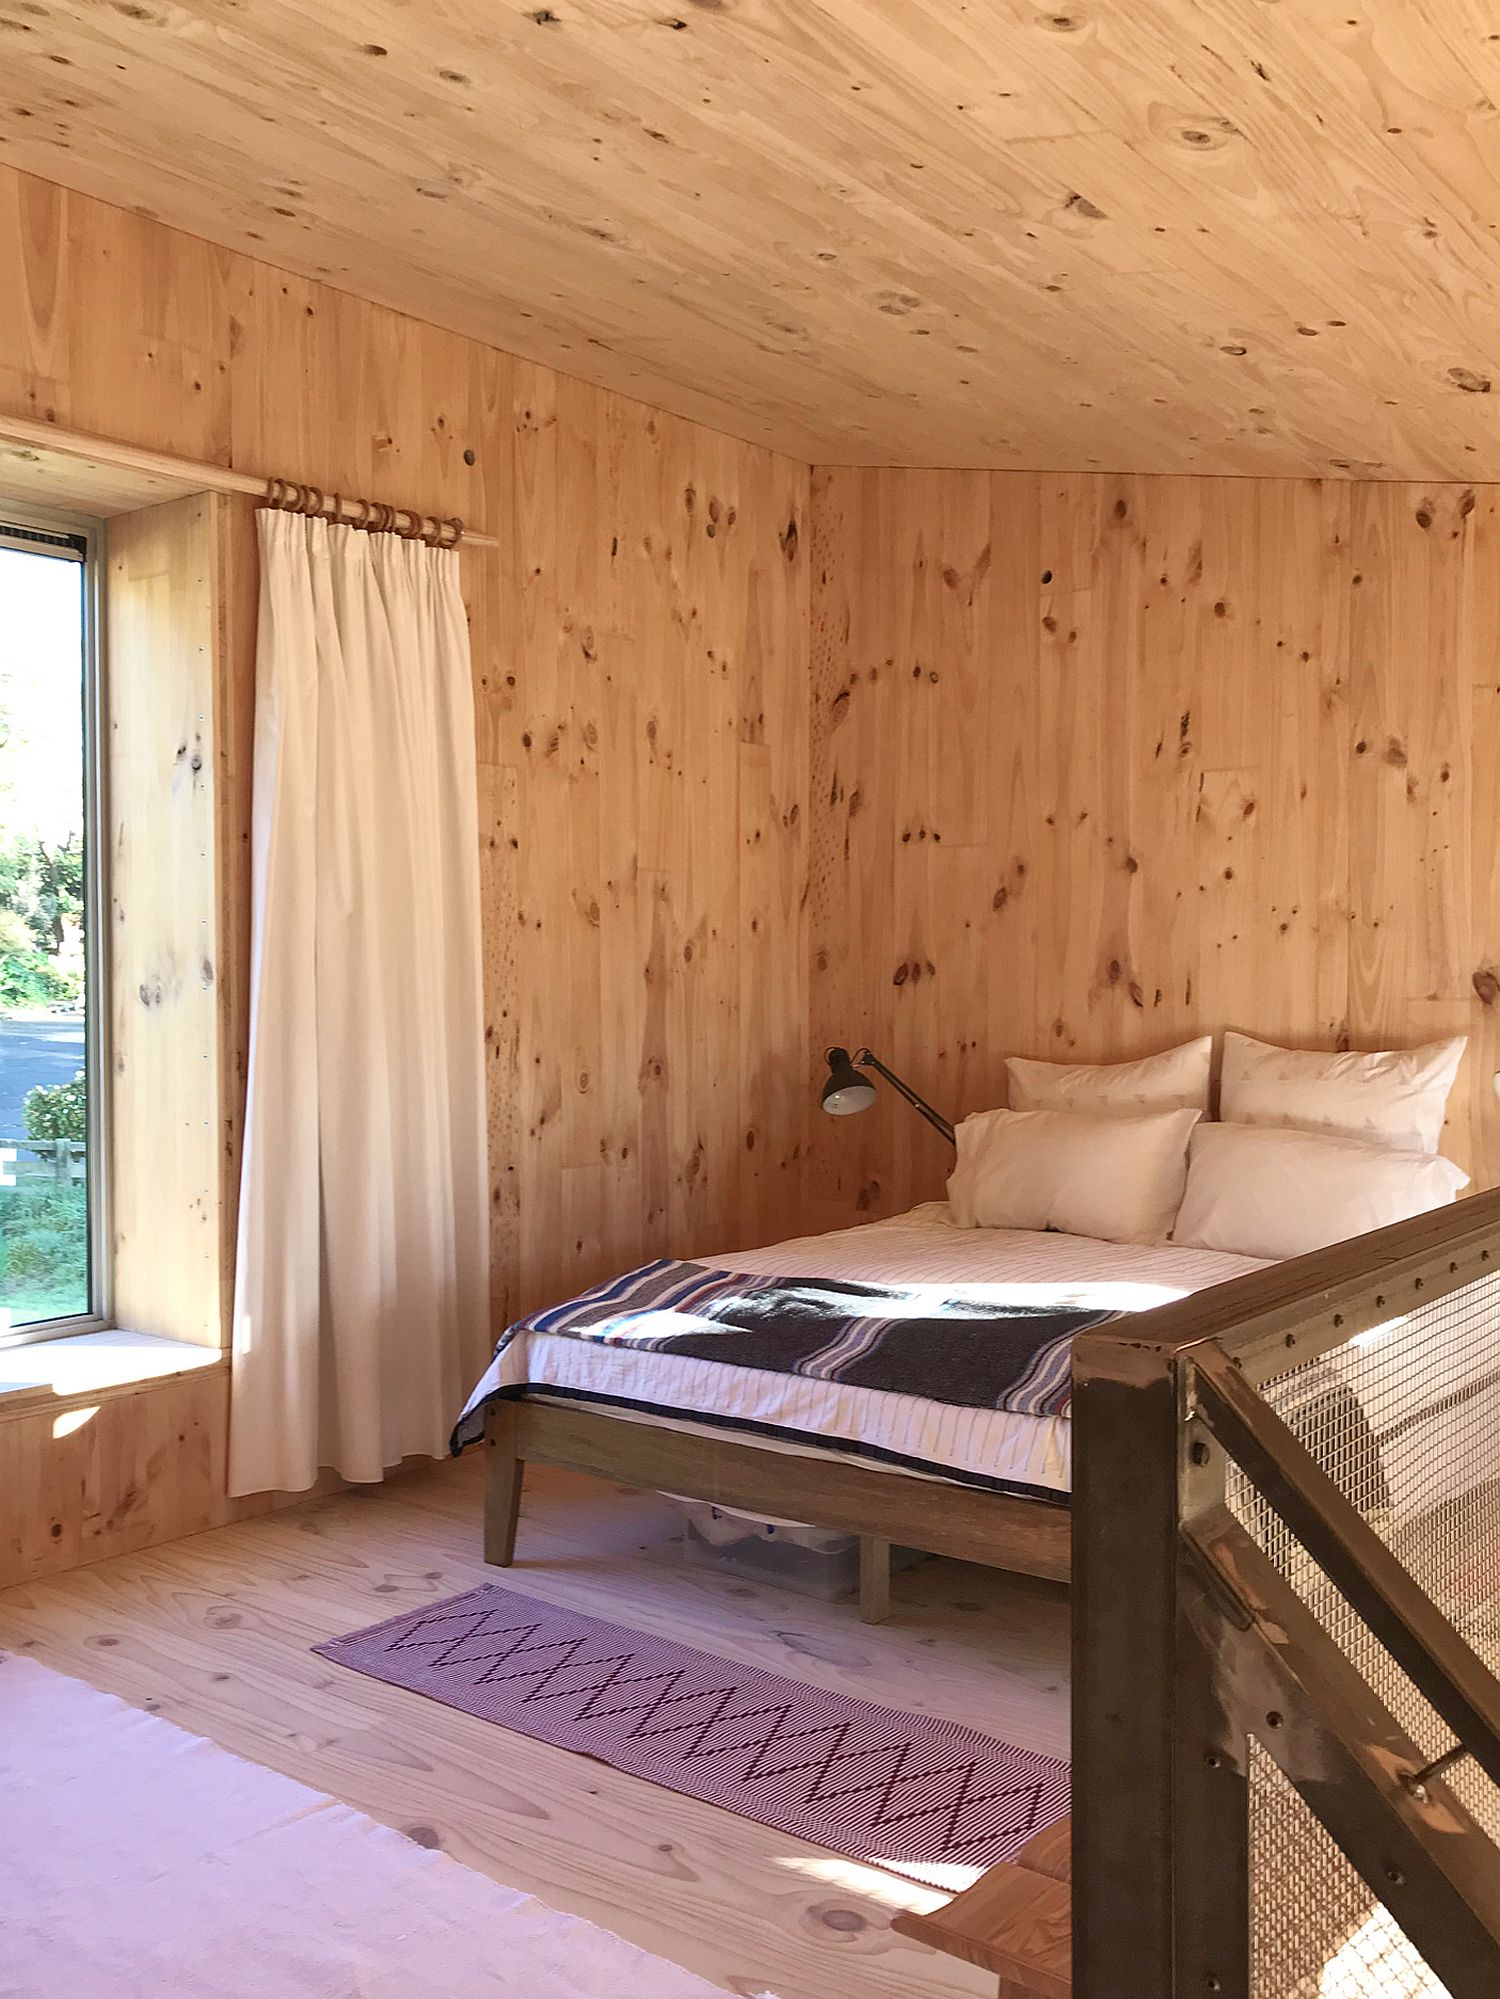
(437,530)
(196,475)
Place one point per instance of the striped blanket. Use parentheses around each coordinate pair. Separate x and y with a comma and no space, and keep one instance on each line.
(908,1341)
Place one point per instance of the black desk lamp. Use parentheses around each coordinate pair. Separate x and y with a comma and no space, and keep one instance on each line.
(847,1091)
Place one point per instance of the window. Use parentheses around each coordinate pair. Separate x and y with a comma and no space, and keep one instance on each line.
(53,1274)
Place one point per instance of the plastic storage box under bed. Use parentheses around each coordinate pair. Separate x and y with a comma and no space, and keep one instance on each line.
(809,1560)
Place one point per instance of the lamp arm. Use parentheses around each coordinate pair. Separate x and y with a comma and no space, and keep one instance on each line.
(867,1059)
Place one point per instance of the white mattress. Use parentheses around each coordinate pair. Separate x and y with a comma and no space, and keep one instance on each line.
(990,1447)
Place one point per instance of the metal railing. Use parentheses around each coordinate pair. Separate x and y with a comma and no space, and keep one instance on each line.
(1286,1562)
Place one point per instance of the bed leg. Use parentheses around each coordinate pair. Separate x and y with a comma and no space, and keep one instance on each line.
(504,1470)
(874,1579)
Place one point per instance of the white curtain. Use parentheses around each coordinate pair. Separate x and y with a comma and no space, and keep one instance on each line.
(362,1271)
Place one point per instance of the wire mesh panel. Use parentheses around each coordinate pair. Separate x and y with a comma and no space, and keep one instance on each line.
(1405,1420)
(1316,1930)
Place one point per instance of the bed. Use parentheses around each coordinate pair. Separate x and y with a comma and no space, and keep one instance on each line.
(986,1482)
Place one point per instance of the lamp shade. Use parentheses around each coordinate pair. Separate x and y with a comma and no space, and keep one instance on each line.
(846,1090)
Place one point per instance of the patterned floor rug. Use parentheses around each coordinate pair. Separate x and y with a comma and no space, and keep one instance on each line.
(919,1795)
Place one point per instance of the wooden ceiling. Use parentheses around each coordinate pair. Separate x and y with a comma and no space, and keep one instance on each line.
(1162,235)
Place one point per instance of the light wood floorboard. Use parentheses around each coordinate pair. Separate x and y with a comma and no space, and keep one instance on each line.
(214,1633)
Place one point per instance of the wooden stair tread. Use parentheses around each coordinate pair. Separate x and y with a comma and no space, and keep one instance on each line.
(1050,1852)
(1013,1921)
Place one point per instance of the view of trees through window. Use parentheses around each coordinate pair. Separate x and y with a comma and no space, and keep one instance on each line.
(44,1150)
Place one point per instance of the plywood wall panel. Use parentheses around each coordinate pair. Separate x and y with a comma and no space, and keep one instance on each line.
(639,649)
(1227,751)
(86,1478)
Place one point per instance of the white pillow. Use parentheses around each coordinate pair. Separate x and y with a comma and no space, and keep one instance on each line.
(1117,1178)
(1176,1080)
(1262,1192)
(1396,1098)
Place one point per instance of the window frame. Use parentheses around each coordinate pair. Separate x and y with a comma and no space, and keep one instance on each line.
(89,529)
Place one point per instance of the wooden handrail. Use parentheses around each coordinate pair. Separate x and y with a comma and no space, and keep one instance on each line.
(1275,1319)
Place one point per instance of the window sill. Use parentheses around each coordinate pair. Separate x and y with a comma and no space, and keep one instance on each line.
(83,1364)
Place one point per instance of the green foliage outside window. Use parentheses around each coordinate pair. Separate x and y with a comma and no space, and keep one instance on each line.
(41,912)
(44,1251)
(58,1110)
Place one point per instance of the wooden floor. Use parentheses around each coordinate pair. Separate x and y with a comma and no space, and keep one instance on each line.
(214,1633)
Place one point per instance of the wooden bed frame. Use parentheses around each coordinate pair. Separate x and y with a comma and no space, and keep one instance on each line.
(1030,1536)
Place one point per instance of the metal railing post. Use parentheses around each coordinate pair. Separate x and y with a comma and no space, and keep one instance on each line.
(1160,1776)
(1211,1774)
(1124,1667)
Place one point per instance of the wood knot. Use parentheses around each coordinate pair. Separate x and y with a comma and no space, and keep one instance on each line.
(848,1922)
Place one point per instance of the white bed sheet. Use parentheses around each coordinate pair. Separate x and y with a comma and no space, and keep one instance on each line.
(897,1432)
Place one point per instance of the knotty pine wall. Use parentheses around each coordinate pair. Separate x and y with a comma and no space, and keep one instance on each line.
(955,763)
(640,654)
(1101,762)
(640,660)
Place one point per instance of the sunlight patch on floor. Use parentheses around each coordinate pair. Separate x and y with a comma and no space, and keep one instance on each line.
(871,1880)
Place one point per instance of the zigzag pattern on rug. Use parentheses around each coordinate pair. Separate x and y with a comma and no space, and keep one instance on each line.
(913,1792)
